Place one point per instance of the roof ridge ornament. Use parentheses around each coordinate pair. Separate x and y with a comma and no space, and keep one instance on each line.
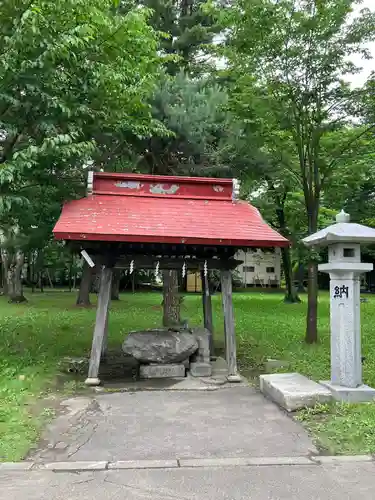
(236,189)
(342,217)
(90,182)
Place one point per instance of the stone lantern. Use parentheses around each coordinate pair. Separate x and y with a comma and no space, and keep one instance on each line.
(344,267)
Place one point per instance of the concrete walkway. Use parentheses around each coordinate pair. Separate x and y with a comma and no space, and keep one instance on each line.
(347,481)
(227,444)
(161,425)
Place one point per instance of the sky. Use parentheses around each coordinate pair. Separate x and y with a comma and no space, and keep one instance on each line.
(367,65)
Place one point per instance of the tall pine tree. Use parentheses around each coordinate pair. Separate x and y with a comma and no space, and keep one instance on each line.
(189,32)
(187,108)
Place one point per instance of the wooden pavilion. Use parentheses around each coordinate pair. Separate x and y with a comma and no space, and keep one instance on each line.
(138,221)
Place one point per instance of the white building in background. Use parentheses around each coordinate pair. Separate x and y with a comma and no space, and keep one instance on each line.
(260,268)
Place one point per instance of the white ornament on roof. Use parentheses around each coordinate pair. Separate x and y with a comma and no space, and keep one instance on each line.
(342,217)
(236,189)
(90,182)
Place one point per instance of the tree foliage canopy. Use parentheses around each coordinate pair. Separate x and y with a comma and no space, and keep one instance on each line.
(120,84)
(289,63)
(70,71)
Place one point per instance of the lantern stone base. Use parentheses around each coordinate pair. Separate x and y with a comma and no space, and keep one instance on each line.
(162,371)
(293,391)
(200,369)
(360,394)
(92,381)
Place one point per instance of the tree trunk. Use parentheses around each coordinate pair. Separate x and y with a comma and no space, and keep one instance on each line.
(96,276)
(32,273)
(14,278)
(29,276)
(312,285)
(301,278)
(171,299)
(207,311)
(49,278)
(83,298)
(70,276)
(133,281)
(39,266)
(5,263)
(312,304)
(291,296)
(115,289)
(41,281)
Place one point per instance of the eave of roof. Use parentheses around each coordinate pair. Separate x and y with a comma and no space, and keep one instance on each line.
(159,209)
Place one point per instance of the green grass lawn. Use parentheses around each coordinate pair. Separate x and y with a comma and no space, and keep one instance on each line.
(36,335)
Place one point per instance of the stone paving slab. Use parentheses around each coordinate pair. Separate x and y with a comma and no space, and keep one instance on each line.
(244,461)
(15,466)
(330,482)
(169,425)
(342,459)
(143,464)
(293,391)
(202,463)
(218,380)
(74,466)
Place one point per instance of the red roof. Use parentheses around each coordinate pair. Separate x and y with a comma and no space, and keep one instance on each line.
(164,209)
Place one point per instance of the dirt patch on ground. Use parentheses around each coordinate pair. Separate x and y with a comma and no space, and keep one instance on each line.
(51,404)
(67,415)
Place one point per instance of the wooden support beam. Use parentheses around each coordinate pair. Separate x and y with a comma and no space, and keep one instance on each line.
(207,310)
(123,249)
(230,336)
(100,326)
(105,337)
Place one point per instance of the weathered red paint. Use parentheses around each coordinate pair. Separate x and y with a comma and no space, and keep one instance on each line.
(162,186)
(164,209)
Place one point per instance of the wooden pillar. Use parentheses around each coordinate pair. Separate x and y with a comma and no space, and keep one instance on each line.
(230,336)
(100,325)
(207,311)
(105,337)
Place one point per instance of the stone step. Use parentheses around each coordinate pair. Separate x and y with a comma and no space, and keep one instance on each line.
(293,391)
